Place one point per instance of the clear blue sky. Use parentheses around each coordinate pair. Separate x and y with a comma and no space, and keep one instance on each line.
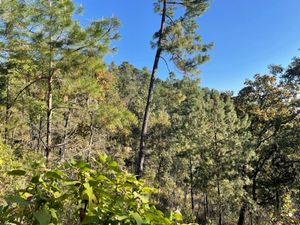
(248,36)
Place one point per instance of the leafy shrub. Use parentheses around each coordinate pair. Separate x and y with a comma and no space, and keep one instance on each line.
(80,192)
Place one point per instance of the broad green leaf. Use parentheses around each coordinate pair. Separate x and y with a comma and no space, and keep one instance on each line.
(42,216)
(149,190)
(177,216)
(54,174)
(113,164)
(90,220)
(81,164)
(120,218)
(102,177)
(170,215)
(17,172)
(138,219)
(18,199)
(71,182)
(53,213)
(35,179)
(103,157)
(89,193)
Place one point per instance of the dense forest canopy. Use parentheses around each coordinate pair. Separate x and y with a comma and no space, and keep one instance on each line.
(86,142)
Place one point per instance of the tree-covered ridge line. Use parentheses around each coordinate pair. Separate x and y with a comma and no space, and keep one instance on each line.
(209,156)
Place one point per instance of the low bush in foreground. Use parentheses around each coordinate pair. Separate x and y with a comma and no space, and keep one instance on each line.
(80,192)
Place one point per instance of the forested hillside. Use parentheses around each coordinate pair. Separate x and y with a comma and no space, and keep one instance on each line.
(88,142)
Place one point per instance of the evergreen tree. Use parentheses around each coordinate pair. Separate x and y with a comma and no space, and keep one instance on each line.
(272,108)
(15,61)
(177,38)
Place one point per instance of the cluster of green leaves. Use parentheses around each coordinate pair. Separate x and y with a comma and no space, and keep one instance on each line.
(82,193)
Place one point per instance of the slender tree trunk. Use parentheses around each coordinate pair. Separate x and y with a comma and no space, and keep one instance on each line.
(254,188)
(141,153)
(8,28)
(49,97)
(39,134)
(218,177)
(254,196)
(31,133)
(205,208)
(278,206)
(257,219)
(158,173)
(64,138)
(241,220)
(192,185)
(220,205)
(82,211)
(49,119)
(12,136)
(90,141)
(7,110)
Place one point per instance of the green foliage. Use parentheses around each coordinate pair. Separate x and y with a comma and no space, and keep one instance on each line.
(180,40)
(79,192)
(210,155)
(273,110)
(288,214)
